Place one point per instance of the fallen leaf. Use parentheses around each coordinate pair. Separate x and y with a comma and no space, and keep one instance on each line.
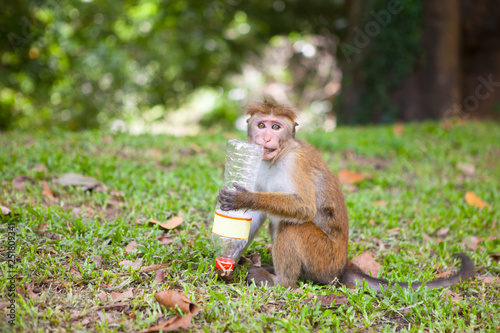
(443,274)
(132,315)
(453,296)
(196,148)
(380,203)
(486,279)
(172,324)
(473,200)
(170,224)
(153,268)
(372,222)
(171,298)
(20,181)
(442,232)
(106,317)
(42,227)
(5,210)
(472,242)
(107,139)
(468,169)
(47,191)
(135,265)
(174,222)
(327,300)
(86,183)
(398,129)
(164,240)
(132,247)
(160,275)
(103,296)
(29,291)
(97,260)
(347,177)
(367,264)
(118,297)
(39,168)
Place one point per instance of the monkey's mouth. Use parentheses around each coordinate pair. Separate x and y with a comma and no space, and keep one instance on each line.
(269,150)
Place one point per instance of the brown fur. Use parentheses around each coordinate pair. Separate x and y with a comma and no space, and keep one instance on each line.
(309,225)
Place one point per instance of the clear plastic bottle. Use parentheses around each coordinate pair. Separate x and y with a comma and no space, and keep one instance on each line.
(231,228)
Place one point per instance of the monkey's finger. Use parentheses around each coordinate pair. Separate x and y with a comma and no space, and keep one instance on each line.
(239,187)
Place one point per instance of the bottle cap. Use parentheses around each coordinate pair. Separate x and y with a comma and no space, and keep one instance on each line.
(226,264)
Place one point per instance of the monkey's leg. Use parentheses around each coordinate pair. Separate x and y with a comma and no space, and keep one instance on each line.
(287,258)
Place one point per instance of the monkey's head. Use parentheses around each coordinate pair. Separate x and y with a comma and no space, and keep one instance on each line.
(272,126)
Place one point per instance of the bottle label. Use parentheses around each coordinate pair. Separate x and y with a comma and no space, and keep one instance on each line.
(231,227)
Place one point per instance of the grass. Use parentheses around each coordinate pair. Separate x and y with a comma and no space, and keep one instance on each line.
(416,190)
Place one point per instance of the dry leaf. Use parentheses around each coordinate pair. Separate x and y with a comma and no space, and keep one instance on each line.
(472,242)
(372,222)
(473,200)
(103,296)
(327,300)
(160,275)
(47,191)
(468,169)
(135,265)
(106,317)
(172,324)
(443,274)
(132,247)
(196,148)
(367,264)
(118,297)
(164,240)
(39,168)
(380,203)
(486,279)
(20,181)
(42,227)
(97,260)
(5,210)
(442,232)
(398,129)
(174,222)
(170,224)
(347,177)
(86,183)
(453,296)
(153,268)
(171,298)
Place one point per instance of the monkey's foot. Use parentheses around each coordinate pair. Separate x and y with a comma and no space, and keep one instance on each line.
(260,276)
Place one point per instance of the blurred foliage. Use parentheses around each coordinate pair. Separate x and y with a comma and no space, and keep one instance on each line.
(79,64)
(390,57)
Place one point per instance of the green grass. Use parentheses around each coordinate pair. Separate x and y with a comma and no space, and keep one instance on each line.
(158,177)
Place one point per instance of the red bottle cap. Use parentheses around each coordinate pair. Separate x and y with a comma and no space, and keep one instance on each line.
(226,264)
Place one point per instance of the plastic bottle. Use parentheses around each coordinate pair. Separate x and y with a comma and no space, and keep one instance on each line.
(231,228)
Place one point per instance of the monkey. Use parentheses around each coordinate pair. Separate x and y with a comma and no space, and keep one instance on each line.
(308,217)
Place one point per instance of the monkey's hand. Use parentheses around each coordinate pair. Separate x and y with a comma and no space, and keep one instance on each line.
(235,199)
(260,276)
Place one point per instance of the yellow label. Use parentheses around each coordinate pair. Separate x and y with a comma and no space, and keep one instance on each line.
(231,227)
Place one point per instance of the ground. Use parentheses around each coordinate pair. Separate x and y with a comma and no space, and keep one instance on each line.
(86,257)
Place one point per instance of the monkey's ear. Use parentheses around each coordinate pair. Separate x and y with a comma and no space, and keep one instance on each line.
(295,124)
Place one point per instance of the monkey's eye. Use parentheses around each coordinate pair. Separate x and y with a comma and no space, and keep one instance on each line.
(261,125)
(276,127)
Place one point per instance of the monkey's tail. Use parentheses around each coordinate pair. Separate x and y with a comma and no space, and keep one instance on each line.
(353,273)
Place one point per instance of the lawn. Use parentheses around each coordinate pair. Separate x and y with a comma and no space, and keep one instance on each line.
(73,245)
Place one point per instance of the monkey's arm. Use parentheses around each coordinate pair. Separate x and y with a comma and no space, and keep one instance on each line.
(294,207)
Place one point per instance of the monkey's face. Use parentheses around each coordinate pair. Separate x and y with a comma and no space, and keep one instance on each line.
(270,132)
